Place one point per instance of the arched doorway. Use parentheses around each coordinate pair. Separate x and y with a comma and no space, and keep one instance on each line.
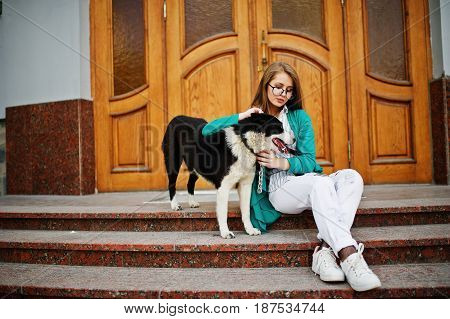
(203,58)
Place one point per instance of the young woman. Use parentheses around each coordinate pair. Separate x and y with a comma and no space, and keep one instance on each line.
(297,183)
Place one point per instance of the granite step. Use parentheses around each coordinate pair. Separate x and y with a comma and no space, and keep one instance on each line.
(56,281)
(159,217)
(278,248)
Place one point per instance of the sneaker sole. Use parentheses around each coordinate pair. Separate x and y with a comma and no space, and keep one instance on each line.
(330,278)
(366,287)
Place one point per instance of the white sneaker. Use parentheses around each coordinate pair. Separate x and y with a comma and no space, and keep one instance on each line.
(358,274)
(324,264)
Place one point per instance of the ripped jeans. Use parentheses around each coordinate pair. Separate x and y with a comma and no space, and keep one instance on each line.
(333,199)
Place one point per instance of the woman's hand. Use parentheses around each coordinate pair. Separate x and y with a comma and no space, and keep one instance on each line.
(267,158)
(247,113)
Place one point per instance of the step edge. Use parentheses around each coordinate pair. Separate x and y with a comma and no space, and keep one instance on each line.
(203,214)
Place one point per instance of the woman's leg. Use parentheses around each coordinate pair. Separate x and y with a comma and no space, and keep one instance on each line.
(318,193)
(329,215)
(294,197)
(349,188)
(334,201)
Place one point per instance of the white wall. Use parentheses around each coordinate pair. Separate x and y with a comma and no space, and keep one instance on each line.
(445,25)
(44,48)
(440,37)
(85,78)
(40,46)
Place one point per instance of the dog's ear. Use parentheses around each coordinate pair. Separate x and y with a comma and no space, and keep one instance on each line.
(236,128)
(273,129)
(272,126)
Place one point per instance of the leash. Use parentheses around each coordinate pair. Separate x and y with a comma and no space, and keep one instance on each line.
(259,168)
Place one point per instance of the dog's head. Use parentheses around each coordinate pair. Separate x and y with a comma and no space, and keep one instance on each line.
(259,129)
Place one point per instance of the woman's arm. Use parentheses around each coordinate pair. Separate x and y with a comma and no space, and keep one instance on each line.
(268,159)
(220,123)
(306,161)
(227,121)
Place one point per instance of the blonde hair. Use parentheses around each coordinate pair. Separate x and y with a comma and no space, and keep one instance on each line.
(261,99)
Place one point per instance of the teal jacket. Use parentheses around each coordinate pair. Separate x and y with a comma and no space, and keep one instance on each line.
(262,212)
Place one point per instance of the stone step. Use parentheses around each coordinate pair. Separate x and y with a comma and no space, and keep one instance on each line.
(56,281)
(278,248)
(159,217)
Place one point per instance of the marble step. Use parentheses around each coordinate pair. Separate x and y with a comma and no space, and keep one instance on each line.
(277,248)
(55,281)
(159,217)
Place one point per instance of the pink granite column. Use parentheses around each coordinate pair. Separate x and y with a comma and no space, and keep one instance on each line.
(50,148)
(440,126)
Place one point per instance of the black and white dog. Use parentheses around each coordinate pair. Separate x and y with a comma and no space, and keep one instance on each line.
(224,158)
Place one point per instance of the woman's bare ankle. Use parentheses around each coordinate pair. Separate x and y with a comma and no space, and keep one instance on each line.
(345,252)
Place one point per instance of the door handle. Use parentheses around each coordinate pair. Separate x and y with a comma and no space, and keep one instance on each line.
(264,62)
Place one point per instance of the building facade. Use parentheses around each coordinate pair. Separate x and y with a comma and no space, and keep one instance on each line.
(89,86)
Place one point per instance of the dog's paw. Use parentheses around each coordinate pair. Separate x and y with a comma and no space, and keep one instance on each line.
(227,235)
(194,204)
(253,231)
(176,206)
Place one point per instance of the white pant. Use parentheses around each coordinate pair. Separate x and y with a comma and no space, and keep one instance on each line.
(333,199)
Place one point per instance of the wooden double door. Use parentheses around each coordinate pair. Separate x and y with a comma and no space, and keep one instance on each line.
(363,67)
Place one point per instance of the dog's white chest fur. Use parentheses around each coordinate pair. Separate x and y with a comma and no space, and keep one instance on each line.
(243,172)
(244,167)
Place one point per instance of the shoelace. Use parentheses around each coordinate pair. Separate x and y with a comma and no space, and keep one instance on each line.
(359,265)
(327,257)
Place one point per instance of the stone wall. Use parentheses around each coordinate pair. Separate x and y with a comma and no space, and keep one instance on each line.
(440,125)
(2,158)
(50,148)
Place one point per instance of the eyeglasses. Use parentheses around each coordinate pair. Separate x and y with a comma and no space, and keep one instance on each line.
(279,91)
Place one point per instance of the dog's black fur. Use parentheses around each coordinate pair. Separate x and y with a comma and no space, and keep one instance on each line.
(183,141)
(226,158)
(210,156)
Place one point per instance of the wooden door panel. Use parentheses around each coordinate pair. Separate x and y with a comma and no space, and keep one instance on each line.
(129,140)
(213,68)
(390,131)
(210,89)
(389,100)
(128,92)
(208,72)
(205,60)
